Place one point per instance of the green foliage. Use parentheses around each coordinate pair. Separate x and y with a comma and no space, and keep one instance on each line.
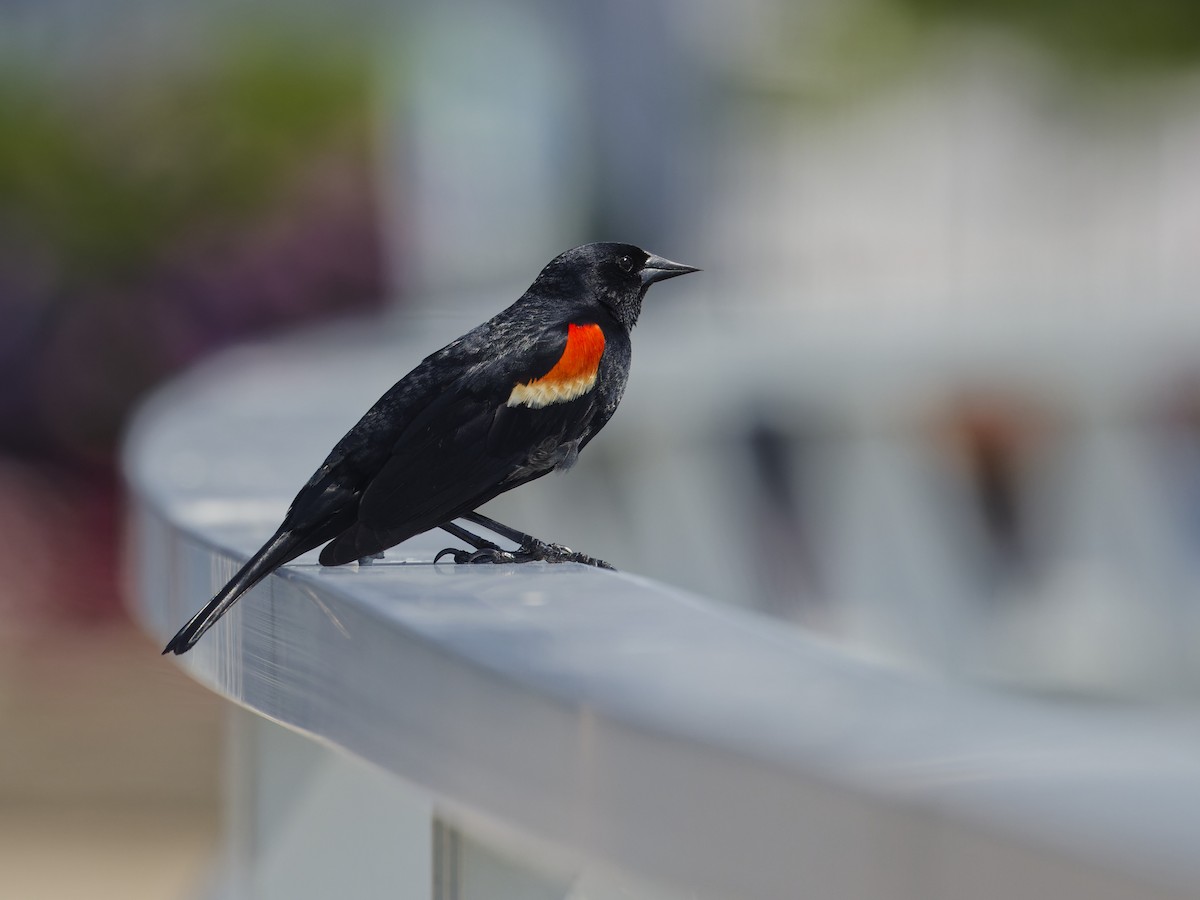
(1106,34)
(107,174)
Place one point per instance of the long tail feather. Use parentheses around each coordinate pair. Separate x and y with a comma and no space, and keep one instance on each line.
(282,548)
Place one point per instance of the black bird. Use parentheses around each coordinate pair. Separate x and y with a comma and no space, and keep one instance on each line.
(510,401)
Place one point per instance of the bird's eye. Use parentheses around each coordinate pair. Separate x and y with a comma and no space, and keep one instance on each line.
(625,263)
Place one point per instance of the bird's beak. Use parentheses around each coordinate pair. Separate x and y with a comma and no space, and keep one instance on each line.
(658,269)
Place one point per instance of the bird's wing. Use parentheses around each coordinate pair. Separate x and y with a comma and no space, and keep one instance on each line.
(499,423)
(336,488)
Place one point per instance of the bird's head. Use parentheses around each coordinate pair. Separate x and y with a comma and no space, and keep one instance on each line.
(615,275)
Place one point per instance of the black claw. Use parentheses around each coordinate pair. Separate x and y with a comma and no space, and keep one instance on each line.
(557,553)
(474,557)
(535,552)
(488,555)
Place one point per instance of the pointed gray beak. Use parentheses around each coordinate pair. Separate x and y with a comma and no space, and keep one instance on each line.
(659,269)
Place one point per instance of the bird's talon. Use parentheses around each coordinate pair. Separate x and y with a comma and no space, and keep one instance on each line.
(535,552)
(540,551)
(491,555)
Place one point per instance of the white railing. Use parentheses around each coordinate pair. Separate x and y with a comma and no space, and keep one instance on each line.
(555,731)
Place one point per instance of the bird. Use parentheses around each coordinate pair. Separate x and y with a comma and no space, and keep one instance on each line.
(512,400)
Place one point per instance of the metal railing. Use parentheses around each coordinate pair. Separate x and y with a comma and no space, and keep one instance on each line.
(553,731)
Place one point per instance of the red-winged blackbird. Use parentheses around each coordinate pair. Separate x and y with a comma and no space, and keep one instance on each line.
(508,402)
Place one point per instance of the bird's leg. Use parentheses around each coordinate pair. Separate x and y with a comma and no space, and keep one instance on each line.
(370,558)
(500,528)
(481,545)
(530,550)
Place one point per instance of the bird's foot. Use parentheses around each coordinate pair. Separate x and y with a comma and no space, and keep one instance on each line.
(535,551)
(557,553)
(367,560)
(486,555)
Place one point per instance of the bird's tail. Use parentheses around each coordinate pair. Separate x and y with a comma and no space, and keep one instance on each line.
(285,546)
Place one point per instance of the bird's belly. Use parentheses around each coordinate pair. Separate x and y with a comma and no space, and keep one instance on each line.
(550,454)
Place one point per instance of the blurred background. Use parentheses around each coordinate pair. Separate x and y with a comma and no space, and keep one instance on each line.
(936,396)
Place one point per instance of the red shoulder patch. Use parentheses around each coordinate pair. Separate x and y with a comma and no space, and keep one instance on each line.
(581,356)
(572,376)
